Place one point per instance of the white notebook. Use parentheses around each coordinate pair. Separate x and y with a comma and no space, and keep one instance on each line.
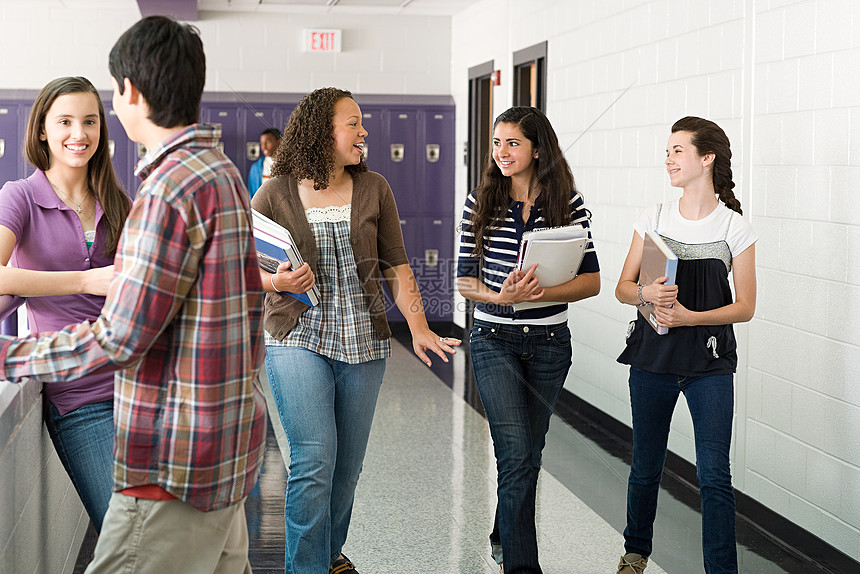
(558,253)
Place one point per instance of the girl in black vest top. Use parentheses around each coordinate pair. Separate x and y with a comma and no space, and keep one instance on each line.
(697,356)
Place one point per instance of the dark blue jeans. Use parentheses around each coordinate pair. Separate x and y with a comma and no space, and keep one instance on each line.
(519,371)
(83,439)
(711,403)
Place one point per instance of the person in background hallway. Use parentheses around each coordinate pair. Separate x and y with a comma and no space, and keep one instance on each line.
(325,363)
(181,325)
(698,355)
(59,230)
(261,170)
(520,359)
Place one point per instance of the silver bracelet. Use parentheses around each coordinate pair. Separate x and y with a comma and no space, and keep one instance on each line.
(638,292)
(272,277)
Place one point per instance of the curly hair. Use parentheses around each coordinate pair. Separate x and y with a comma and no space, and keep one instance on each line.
(101,177)
(708,137)
(552,175)
(307,149)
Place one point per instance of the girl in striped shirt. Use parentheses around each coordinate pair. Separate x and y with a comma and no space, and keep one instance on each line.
(520,358)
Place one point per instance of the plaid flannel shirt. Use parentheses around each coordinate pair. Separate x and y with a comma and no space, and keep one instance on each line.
(182,325)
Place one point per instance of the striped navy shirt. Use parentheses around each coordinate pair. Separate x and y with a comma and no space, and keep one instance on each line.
(501,247)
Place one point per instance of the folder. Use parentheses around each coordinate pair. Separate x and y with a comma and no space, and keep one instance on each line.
(274,246)
(558,251)
(658,260)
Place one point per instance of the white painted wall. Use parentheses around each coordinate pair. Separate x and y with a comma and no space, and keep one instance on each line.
(246,52)
(780,76)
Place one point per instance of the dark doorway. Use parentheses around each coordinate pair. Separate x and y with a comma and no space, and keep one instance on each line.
(530,77)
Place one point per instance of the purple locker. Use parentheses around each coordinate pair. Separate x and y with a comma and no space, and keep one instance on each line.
(411,228)
(371,120)
(12,167)
(123,152)
(11,142)
(401,157)
(229,116)
(282,116)
(438,161)
(258,118)
(434,266)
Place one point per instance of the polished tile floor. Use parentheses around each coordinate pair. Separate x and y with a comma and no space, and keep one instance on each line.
(427,493)
(425,500)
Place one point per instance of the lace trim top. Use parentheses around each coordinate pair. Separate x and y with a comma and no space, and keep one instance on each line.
(330,214)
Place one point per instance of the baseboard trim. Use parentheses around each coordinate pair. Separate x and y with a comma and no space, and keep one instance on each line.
(783,532)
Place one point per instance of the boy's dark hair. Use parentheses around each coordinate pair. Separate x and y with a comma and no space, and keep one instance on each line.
(274,132)
(163,59)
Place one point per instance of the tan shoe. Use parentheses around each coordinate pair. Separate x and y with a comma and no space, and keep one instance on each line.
(632,564)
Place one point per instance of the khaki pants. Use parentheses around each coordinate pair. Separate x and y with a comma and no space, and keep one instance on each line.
(141,536)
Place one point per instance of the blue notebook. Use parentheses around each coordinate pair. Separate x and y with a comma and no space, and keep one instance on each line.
(274,246)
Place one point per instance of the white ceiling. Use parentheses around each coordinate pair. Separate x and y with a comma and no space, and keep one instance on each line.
(402,7)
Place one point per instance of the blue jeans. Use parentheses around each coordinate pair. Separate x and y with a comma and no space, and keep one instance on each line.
(519,372)
(326,407)
(83,439)
(711,403)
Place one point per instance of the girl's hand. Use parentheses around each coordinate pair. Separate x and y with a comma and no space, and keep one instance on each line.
(659,294)
(97,280)
(301,280)
(519,287)
(426,340)
(675,316)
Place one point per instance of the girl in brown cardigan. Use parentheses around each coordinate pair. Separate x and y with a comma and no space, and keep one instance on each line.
(325,363)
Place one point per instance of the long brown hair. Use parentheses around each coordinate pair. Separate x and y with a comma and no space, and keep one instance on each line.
(307,149)
(100,175)
(552,175)
(708,137)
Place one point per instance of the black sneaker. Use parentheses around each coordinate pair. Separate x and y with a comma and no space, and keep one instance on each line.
(342,566)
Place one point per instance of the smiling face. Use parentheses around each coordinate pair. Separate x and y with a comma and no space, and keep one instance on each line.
(683,163)
(513,152)
(348,133)
(268,144)
(71,130)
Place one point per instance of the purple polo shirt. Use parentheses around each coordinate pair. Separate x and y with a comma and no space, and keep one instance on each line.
(50,238)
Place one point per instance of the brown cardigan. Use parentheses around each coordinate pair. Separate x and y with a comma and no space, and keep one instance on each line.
(377,242)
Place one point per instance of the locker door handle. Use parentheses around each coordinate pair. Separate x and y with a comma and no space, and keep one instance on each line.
(431,257)
(141,149)
(432,151)
(2,147)
(397,153)
(252,151)
(111,148)
(364,151)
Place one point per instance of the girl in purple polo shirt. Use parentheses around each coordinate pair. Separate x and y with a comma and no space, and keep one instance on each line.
(58,235)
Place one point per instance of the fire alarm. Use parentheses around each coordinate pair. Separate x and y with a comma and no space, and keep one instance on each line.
(496,78)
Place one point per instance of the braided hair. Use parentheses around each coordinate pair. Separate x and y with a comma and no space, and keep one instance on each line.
(708,137)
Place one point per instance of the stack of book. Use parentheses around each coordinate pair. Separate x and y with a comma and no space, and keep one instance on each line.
(275,245)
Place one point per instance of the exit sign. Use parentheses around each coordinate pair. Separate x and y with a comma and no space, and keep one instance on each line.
(322,40)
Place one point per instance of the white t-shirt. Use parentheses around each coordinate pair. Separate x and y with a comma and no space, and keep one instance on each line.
(707,230)
(268,162)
